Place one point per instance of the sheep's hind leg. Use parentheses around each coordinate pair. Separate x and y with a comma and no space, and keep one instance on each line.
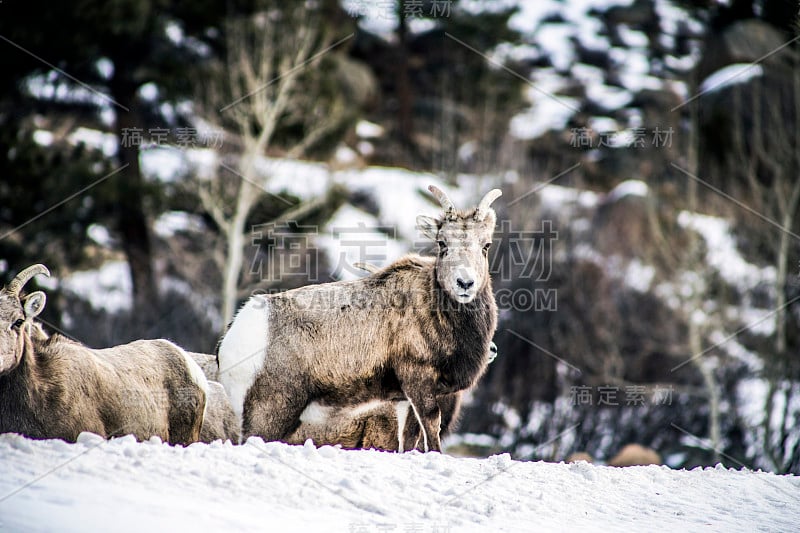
(187,406)
(271,412)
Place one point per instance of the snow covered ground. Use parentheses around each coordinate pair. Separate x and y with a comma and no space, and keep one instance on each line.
(122,485)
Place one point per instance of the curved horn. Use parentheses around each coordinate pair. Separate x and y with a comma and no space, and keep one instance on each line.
(449,208)
(366,266)
(483,207)
(23,277)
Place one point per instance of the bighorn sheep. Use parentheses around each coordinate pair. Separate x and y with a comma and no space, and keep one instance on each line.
(378,424)
(53,387)
(417,330)
(219,422)
(383,425)
(208,363)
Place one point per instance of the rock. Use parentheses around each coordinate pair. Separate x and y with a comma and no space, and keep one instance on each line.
(635,455)
(574,457)
(621,226)
(742,42)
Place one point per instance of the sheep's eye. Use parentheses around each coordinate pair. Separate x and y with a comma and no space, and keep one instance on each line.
(17,323)
(442,245)
(486,247)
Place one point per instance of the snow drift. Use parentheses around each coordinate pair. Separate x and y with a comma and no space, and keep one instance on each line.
(122,485)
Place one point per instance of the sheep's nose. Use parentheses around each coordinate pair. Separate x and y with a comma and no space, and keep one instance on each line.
(465,284)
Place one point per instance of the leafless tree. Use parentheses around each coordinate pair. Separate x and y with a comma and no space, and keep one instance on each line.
(766,156)
(268,81)
(766,159)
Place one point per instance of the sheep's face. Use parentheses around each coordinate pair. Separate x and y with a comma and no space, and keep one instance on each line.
(463,240)
(12,326)
(16,317)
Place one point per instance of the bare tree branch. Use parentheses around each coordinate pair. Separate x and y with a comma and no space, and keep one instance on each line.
(267,54)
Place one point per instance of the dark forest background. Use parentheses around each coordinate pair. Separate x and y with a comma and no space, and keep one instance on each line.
(111,68)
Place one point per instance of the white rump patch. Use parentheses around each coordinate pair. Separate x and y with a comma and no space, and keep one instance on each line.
(362,409)
(198,376)
(243,351)
(319,414)
(316,414)
(401,408)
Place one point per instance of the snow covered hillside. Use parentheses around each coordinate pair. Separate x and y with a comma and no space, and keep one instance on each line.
(122,485)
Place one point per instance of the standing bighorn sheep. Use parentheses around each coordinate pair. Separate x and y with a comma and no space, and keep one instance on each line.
(378,424)
(418,329)
(53,387)
(387,425)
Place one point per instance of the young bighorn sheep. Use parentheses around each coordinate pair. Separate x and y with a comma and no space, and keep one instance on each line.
(53,387)
(417,329)
(378,424)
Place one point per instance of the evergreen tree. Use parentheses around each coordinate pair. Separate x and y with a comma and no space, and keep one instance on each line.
(98,55)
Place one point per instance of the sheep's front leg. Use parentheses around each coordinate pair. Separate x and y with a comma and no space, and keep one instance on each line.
(420,389)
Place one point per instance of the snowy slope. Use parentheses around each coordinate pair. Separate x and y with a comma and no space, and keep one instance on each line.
(122,485)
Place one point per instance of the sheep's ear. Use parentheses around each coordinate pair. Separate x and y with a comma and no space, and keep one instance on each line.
(34,304)
(429,226)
